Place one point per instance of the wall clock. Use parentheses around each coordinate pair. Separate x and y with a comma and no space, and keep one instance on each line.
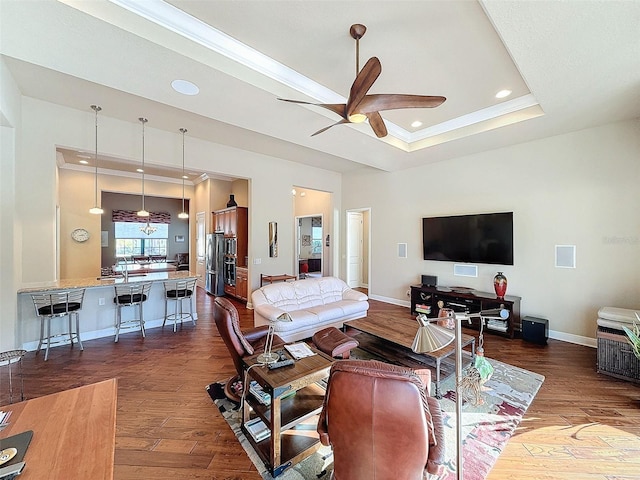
(80,235)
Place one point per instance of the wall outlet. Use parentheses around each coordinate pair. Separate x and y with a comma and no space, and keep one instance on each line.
(101,301)
(257,261)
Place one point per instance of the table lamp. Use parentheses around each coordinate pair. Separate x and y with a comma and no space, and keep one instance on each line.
(268,356)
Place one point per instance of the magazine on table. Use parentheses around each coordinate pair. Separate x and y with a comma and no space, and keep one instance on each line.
(258,392)
(257,429)
(299,350)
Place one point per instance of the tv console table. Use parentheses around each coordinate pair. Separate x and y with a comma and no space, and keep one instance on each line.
(427,300)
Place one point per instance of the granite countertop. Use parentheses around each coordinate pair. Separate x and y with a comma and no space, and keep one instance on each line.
(93,282)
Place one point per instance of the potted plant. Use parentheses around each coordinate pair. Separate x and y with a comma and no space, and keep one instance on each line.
(634,336)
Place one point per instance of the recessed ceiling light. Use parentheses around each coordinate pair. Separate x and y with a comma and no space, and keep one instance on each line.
(84,162)
(416,124)
(503,93)
(139,170)
(186,177)
(303,194)
(185,87)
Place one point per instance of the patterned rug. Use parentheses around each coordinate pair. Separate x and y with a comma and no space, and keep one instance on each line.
(317,466)
(486,428)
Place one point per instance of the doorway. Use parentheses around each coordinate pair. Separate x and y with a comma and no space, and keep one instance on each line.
(309,234)
(358,248)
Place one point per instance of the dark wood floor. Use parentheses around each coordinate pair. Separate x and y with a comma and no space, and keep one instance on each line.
(581,425)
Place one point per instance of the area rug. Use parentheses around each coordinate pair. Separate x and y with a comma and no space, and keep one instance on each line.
(317,466)
(486,428)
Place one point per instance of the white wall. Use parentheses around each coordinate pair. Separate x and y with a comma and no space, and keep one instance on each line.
(46,126)
(10,223)
(579,189)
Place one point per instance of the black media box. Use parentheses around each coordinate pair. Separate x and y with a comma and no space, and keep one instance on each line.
(535,330)
(429,280)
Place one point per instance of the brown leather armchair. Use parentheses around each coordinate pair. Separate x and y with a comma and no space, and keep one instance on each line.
(240,344)
(380,422)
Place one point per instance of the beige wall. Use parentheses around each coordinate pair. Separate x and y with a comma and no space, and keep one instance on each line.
(240,190)
(575,189)
(76,197)
(30,232)
(10,222)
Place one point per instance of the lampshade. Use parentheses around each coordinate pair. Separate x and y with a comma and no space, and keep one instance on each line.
(430,338)
(183,214)
(96,210)
(143,212)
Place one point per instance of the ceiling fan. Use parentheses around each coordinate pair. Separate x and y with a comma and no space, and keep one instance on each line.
(361,106)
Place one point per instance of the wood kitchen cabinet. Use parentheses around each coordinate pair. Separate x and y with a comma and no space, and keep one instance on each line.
(242,283)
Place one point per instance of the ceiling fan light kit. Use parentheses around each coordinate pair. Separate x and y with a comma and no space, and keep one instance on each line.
(363,106)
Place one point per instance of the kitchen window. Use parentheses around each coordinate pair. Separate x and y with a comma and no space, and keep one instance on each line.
(130,240)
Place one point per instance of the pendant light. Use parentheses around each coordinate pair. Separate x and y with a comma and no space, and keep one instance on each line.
(96,210)
(143,212)
(147,229)
(183,214)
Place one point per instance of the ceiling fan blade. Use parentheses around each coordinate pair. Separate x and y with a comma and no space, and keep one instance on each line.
(344,120)
(338,108)
(377,103)
(377,124)
(361,85)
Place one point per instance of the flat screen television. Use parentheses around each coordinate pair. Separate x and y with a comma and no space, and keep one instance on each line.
(480,238)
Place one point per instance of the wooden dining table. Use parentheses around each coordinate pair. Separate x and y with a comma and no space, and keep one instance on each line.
(73,432)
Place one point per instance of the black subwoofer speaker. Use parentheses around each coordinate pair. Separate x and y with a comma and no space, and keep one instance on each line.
(535,330)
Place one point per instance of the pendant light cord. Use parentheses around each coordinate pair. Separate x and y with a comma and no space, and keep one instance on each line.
(183,130)
(96,209)
(143,121)
(97,109)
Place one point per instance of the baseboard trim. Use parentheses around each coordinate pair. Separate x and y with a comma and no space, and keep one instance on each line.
(105,332)
(570,338)
(392,301)
(564,337)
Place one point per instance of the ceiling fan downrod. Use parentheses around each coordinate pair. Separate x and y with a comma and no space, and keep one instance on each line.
(357,31)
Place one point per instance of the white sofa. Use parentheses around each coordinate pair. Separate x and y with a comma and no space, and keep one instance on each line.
(303,307)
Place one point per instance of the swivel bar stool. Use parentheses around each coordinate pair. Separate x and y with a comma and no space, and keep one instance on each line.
(58,305)
(8,359)
(131,295)
(178,292)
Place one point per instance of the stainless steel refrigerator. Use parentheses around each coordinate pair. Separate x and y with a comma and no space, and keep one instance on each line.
(215,264)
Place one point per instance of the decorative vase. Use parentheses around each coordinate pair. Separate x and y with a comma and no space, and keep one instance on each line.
(447,318)
(500,284)
(232,202)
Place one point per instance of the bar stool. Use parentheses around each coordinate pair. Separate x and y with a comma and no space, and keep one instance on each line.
(130,295)
(178,291)
(58,305)
(9,358)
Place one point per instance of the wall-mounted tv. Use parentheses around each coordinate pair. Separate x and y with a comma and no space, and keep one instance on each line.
(481,238)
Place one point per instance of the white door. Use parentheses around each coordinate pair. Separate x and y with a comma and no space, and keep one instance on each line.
(201,226)
(354,249)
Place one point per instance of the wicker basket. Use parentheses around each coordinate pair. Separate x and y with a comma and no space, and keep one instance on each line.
(615,356)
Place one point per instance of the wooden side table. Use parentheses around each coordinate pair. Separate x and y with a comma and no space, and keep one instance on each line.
(287,411)
(275,278)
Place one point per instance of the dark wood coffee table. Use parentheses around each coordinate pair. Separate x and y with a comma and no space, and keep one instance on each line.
(392,339)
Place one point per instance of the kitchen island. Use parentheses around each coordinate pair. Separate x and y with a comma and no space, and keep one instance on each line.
(97,317)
